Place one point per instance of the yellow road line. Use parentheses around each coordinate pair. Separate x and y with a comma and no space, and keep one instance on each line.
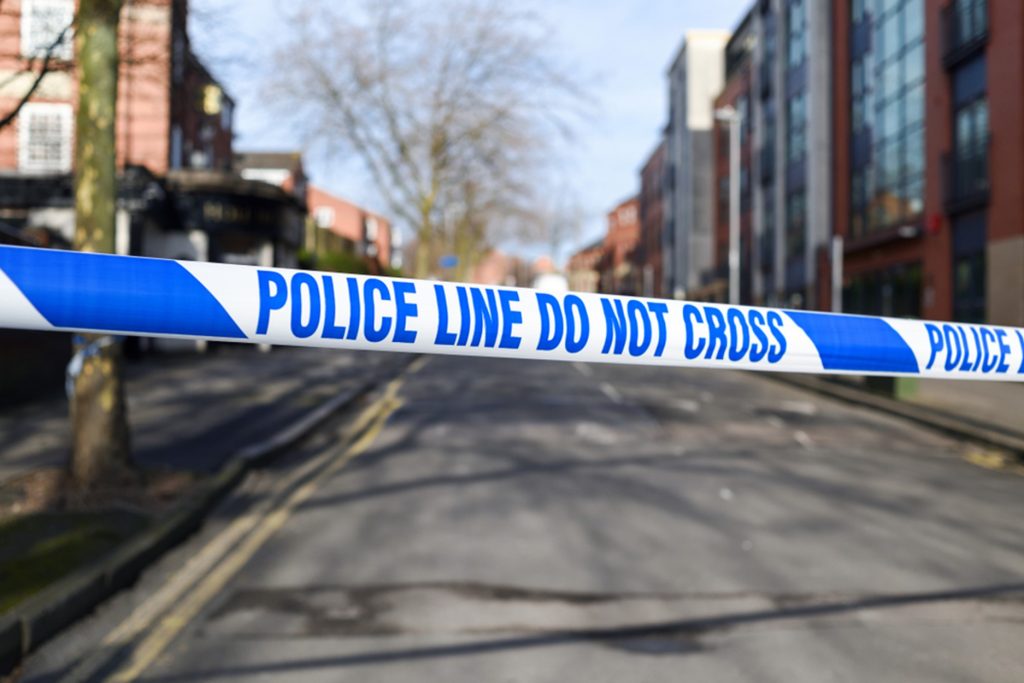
(992,459)
(167,629)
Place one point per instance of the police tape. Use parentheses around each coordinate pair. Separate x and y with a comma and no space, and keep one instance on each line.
(44,289)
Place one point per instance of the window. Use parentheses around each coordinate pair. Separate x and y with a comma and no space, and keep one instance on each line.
(371,229)
(969,237)
(796,127)
(796,33)
(971,128)
(796,219)
(893,292)
(887,117)
(857,11)
(323,216)
(44,138)
(42,22)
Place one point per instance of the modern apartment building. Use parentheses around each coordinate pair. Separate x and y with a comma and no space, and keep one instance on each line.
(737,96)
(784,99)
(695,78)
(929,98)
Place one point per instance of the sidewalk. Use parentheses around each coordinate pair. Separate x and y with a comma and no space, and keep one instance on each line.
(192,412)
(996,404)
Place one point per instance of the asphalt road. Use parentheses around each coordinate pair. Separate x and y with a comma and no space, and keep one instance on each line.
(527,521)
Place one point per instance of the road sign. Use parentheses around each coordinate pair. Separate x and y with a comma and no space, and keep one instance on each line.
(61,290)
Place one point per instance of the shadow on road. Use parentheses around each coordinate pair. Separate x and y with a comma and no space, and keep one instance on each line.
(630,637)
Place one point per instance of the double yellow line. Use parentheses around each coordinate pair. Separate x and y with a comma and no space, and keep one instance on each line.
(185,595)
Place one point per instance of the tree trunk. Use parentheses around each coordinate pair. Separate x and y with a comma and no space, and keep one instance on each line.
(101,445)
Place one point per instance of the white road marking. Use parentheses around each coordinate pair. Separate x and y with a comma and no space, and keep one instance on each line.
(804,439)
(584,369)
(611,392)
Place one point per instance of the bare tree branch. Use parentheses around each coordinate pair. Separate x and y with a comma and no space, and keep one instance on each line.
(455,108)
(13,114)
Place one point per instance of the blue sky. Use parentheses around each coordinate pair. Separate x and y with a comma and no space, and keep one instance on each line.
(622,47)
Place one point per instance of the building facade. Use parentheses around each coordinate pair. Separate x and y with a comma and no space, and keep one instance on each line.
(178,195)
(695,78)
(341,227)
(737,97)
(581,268)
(171,113)
(616,270)
(648,255)
(929,158)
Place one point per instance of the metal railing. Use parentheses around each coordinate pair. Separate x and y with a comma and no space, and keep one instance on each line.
(965,30)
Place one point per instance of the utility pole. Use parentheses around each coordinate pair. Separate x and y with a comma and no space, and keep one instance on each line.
(101,445)
(735,120)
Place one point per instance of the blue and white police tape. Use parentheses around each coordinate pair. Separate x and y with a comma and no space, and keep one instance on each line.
(60,290)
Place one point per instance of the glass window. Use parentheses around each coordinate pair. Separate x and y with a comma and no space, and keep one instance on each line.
(856,11)
(891,117)
(913,20)
(796,131)
(892,79)
(42,22)
(913,64)
(969,288)
(972,126)
(891,38)
(915,195)
(796,25)
(914,164)
(915,105)
(893,89)
(44,138)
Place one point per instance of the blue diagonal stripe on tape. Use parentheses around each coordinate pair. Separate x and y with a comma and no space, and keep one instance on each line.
(100,292)
(855,343)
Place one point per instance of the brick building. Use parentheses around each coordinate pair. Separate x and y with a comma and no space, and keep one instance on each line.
(648,256)
(171,112)
(930,158)
(179,196)
(616,270)
(582,267)
(344,227)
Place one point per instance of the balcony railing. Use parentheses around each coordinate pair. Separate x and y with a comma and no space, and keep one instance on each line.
(965,30)
(966,174)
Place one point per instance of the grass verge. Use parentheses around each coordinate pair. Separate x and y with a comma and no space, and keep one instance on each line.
(41,548)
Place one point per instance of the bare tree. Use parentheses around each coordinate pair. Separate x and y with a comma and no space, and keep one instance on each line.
(452,107)
(101,448)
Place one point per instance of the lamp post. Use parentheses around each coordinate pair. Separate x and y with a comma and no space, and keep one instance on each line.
(735,120)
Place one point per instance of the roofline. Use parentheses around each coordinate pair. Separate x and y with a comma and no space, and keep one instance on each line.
(723,34)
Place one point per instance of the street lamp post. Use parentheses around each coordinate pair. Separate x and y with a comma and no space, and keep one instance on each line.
(735,120)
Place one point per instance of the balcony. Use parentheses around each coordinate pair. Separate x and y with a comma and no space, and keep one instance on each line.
(964,29)
(966,178)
